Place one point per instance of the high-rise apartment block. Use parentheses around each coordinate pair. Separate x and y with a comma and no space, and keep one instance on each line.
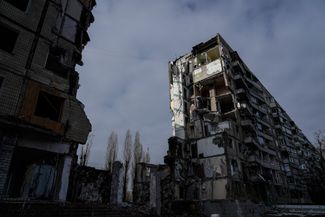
(41,120)
(231,139)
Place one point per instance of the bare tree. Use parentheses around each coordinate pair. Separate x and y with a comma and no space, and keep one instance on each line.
(146,156)
(127,154)
(315,173)
(320,143)
(137,149)
(137,157)
(111,151)
(85,150)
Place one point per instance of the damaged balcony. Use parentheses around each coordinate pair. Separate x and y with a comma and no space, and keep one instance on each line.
(207,64)
(247,123)
(264,161)
(258,106)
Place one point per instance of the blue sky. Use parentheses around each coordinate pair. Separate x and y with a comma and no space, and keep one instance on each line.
(124,82)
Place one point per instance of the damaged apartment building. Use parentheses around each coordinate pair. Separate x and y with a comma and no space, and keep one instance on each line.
(231,139)
(41,120)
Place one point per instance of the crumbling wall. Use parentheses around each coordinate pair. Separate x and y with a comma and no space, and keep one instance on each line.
(141,191)
(150,186)
(90,185)
(167,195)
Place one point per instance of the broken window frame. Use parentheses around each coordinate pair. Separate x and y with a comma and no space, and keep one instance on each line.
(26,113)
(8,45)
(57,108)
(204,57)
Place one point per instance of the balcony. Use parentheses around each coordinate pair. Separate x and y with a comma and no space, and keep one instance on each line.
(260,108)
(207,64)
(264,121)
(240,91)
(266,149)
(237,76)
(257,94)
(272,104)
(265,163)
(254,83)
(251,140)
(207,71)
(247,123)
(265,136)
(245,108)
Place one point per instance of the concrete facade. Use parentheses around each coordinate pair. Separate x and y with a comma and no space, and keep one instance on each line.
(41,120)
(231,139)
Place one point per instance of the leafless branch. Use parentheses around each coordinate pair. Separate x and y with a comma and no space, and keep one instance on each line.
(85,151)
(111,151)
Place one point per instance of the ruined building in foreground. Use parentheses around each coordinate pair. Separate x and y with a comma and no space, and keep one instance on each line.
(231,139)
(41,120)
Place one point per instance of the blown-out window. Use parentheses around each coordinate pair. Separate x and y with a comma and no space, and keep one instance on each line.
(1,81)
(20,4)
(55,62)
(8,38)
(49,106)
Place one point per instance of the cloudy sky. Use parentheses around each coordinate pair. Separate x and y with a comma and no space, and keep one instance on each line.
(124,82)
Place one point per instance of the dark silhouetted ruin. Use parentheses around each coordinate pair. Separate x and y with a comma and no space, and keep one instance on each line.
(42,121)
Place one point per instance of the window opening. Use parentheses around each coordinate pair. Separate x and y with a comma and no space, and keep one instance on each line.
(49,106)
(56,62)
(1,81)
(20,4)
(8,39)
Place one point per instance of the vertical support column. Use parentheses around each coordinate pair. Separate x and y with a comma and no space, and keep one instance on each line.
(65,178)
(153,190)
(116,196)
(213,101)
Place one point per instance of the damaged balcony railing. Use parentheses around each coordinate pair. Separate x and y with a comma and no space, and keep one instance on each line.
(207,64)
